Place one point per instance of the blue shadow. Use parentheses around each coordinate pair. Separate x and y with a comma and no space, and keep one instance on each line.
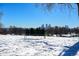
(72,51)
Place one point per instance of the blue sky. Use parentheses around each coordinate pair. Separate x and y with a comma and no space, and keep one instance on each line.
(27,15)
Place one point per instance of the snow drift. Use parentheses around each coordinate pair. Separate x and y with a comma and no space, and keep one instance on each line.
(16,45)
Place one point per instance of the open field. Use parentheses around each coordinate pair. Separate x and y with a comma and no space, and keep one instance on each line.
(16,45)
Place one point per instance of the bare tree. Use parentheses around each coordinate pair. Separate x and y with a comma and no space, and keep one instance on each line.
(1,14)
(49,6)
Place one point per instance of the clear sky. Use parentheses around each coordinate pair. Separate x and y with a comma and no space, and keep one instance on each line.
(28,15)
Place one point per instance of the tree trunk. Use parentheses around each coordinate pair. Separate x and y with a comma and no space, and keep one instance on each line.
(78,8)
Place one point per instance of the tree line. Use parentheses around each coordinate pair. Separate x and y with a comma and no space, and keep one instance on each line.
(47,30)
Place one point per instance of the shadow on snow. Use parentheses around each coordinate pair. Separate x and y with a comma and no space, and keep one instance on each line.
(72,51)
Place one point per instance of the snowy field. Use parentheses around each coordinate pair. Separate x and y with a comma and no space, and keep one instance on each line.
(16,45)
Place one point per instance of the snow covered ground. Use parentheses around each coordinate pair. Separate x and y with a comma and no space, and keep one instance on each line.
(16,45)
